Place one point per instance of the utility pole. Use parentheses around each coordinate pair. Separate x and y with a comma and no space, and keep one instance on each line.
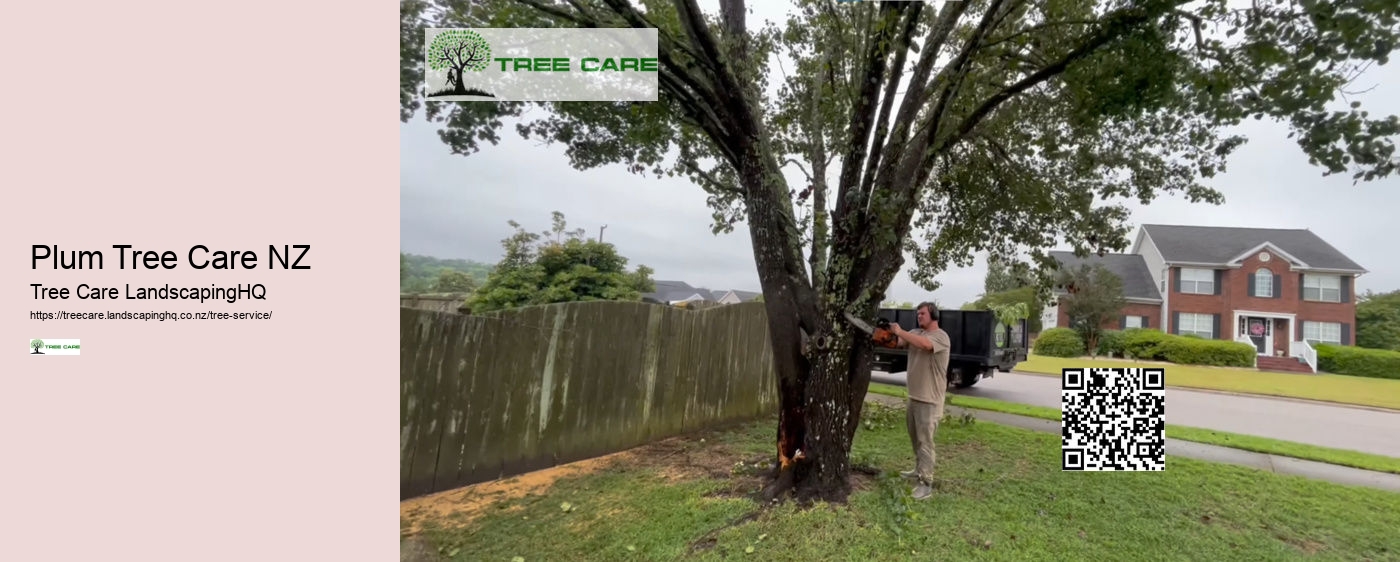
(600,233)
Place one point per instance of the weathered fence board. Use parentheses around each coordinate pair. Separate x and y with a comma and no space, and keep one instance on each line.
(483,397)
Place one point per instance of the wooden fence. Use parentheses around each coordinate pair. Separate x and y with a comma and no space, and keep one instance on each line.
(485,397)
(441,302)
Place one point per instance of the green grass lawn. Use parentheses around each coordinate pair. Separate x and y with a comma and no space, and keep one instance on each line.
(1209,436)
(1000,495)
(1382,393)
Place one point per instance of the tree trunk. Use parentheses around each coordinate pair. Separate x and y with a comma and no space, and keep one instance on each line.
(460,86)
(817,423)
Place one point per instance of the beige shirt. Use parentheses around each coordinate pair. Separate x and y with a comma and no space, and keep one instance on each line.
(928,370)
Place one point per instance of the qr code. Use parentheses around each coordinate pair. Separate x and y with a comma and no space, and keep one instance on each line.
(1113,419)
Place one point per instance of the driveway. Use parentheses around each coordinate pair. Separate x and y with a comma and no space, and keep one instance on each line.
(1339,427)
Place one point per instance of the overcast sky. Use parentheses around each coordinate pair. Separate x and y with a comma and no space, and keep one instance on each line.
(457,207)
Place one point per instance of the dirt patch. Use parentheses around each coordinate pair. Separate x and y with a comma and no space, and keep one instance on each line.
(1305,546)
(463,505)
(674,459)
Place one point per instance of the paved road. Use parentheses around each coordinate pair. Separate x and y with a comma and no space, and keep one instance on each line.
(1340,427)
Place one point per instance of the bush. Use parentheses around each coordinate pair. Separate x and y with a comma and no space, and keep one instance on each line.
(1111,342)
(1358,361)
(1059,342)
(1200,351)
(1144,343)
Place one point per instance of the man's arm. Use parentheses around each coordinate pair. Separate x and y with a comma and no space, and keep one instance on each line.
(907,338)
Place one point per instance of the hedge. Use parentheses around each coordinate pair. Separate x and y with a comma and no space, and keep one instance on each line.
(1199,351)
(1111,342)
(1059,342)
(1154,345)
(1144,343)
(1358,361)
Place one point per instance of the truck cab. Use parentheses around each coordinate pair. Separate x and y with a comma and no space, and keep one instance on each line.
(981,344)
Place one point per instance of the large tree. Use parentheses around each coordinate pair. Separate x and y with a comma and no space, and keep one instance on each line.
(997,126)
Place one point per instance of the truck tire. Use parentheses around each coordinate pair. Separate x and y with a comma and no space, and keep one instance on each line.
(968,379)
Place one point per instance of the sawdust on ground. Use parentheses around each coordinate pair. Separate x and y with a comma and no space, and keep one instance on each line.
(675,459)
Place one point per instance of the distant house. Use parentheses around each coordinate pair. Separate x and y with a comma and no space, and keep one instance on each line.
(1276,289)
(736,297)
(678,292)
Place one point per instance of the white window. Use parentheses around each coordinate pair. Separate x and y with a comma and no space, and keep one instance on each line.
(1200,324)
(1324,288)
(1323,332)
(1132,322)
(1198,281)
(1263,283)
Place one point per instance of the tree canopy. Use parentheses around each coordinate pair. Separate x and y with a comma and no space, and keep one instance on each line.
(1094,298)
(1378,320)
(558,265)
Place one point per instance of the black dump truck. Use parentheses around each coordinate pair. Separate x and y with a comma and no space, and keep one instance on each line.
(981,344)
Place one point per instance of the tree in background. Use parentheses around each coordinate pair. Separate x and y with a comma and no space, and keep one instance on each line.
(993,125)
(1095,296)
(558,266)
(420,274)
(1003,276)
(1378,320)
(453,281)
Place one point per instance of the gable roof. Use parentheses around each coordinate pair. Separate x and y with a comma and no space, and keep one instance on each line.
(747,296)
(1131,268)
(669,291)
(1223,244)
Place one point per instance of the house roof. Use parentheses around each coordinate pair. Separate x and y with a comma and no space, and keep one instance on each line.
(1131,268)
(746,296)
(675,291)
(668,291)
(1223,244)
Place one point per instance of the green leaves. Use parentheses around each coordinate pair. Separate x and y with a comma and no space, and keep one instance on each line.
(548,268)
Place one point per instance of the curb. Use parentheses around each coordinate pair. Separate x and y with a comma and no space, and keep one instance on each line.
(1336,474)
(1314,401)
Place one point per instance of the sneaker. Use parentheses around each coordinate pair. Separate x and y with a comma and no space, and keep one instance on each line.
(922,492)
(909,473)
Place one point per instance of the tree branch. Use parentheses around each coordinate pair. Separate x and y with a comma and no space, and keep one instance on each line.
(799,166)
(715,184)
(849,198)
(886,106)
(916,96)
(1114,26)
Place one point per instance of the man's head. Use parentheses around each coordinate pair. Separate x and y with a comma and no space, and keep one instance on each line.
(928,315)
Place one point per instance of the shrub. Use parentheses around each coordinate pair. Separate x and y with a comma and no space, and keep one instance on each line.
(1200,351)
(1358,361)
(1059,342)
(1111,342)
(1144,343)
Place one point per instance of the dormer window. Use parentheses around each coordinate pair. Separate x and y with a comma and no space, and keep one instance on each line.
(1264,283)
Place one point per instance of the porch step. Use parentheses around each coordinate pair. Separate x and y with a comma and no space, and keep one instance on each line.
(1285,364)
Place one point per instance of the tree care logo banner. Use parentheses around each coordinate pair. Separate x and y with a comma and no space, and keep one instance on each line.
(50,346)
(540,64)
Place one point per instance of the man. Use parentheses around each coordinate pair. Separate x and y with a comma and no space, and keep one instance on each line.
(928,347)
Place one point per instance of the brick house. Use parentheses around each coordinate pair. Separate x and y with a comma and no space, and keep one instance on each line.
(1280,290)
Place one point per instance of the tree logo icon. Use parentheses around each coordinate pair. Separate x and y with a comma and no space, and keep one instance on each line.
(457,51)
(36,344)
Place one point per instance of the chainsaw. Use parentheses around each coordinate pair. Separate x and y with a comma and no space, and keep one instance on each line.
(880,333)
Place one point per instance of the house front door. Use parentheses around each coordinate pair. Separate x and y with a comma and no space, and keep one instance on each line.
(1260,332)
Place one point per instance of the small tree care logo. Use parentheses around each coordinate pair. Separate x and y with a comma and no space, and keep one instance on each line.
(458,51)
(50,347)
